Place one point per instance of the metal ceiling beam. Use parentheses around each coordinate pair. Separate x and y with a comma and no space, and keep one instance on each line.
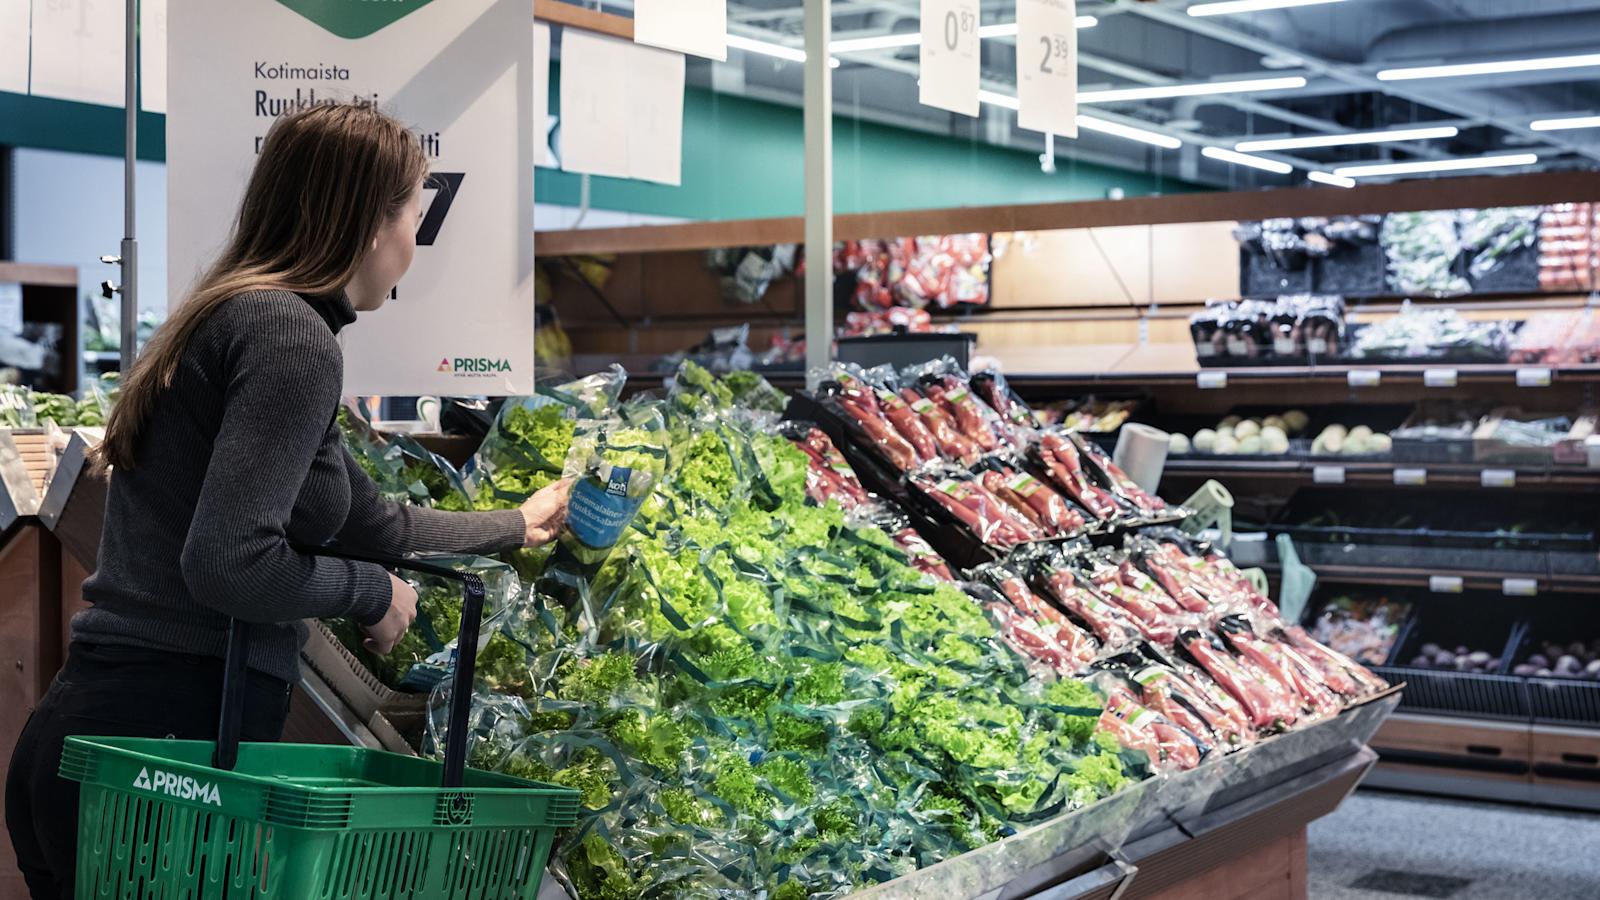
(1353,76)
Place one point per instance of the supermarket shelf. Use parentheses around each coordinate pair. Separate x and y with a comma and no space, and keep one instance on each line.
(1304,471)
(1137,368)
(1466,757)
(1470,580)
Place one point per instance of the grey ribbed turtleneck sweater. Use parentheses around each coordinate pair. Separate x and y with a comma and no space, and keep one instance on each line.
(240,456)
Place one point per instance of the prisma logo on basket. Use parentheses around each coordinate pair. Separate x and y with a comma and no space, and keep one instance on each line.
(181,786)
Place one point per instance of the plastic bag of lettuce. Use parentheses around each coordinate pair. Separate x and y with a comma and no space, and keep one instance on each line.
(527,446)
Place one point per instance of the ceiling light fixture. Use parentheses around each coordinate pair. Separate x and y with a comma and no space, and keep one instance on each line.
(1341,140)
(1330,178)
(1438,165)
(1459,70)
(1566,124)
(1091,123)
(1242,159)
(913,38)
(776,51)
(1229,7)
(1198,89)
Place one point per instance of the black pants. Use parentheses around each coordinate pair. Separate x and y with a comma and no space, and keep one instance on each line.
(113,691)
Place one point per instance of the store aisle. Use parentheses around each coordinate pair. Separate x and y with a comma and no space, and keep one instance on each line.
(1390,846)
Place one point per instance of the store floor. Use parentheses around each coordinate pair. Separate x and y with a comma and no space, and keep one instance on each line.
(1389,846)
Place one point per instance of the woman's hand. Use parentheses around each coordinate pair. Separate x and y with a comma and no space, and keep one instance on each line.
(545,512)
(382,637)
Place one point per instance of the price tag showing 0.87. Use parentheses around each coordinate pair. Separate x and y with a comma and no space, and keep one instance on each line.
(949,60)
(1047,66)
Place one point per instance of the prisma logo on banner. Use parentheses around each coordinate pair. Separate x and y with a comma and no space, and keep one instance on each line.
(460,74)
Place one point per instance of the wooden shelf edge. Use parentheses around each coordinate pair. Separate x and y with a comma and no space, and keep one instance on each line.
(39,274)
(572,16)
(1441,193)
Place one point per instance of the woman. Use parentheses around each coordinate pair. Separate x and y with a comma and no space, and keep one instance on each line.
(224,450)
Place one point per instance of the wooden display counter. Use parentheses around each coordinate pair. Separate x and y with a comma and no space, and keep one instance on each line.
(1483,759)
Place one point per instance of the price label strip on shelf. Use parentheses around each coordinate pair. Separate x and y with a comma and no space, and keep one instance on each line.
(1284,346)
(1519,587)
(1445,584)
(1364,378)
(1439,378)
(1410,477)
(1047,66)
(949,59)
(1211,381)
(1533,378)
(1327,475)
(1499,478)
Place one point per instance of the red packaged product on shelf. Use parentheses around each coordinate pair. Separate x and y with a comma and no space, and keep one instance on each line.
(1269,705)
(1121,484)
(1155,624)
(1026,636)
(973,506)
(922,556)
(953,445)
(1330,660)
(907,423)
(1065,465)
(1139,728)
(1113,626)
(1074,641)
(858,402)
(959,403)
(1300,681)
(828,476)
(1170,692)
(1053,512)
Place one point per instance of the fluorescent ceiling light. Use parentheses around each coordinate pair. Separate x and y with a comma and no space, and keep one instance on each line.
(1341,140)
(1439,165)
(1330,178)
(776,51)
(1491,68)
(1229,7)
(913,38)
(1242,159)
(1565,124)
(1161,91)
(1090,123)
(1104,126)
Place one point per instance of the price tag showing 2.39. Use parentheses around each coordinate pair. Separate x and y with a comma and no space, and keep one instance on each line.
(949,61)
(1047,66)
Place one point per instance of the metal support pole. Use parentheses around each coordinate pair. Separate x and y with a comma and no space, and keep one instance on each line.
(819,188)
(130,246)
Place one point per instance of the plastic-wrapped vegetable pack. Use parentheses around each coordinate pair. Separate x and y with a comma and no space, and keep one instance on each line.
(755,695)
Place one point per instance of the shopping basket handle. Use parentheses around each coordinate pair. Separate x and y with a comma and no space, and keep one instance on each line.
(455,745)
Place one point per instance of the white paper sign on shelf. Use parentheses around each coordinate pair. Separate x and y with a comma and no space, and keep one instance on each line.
(1411,477)
(10,307)
(541,96)
(153,55)
(1211,381)
(1327,474)
(621,108)
(1047,66)
(1499,478)
(950,56)
(696,27)
(1445,584)
(77,50)
(1364,378)
(460,75)
(14,15)
(1533,377)
(1439,378)
(1519,587)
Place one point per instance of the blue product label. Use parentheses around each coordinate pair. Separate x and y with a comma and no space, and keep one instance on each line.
(598,513)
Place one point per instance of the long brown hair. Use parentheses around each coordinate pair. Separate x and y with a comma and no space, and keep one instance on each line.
(327,180)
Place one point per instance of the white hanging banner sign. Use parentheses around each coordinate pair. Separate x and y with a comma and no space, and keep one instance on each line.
(153,55)
(621,108)
(696,27)
(460,74)
(77,50)
(541,96)
(14,15)
(1047,66)
(949,62)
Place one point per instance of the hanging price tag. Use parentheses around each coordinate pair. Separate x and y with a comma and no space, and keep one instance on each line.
(1499,478)
(1364,377)
(1211,381)
(1519,587)
(1410,477)
(1327,475)
(949,77)
(1047,66)
(1445,584)
(1439,378)
(1532,378)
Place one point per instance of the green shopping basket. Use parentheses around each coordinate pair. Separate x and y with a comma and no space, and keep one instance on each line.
(198,820)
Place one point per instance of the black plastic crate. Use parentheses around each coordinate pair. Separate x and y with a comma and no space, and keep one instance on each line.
(1441,444)
(1563,701)
(1458,693)
(1517,529)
